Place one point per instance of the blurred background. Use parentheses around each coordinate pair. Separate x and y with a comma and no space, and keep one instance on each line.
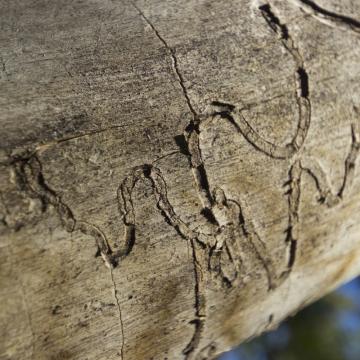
(327,330)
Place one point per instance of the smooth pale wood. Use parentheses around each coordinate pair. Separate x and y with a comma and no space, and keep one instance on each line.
(176,176)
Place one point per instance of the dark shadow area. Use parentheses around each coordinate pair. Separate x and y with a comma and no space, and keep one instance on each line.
(326,330)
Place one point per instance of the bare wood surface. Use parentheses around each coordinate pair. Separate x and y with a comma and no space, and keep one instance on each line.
(176,176)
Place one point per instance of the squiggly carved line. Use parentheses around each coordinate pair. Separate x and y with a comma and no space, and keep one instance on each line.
(350,161)
(199,241)
(30,173)
(193,150)
(30,178)
(198,324)
(238,120)
(292,231)
(328,17)
(326,195)
(125,190)
(314,169)
(215,204)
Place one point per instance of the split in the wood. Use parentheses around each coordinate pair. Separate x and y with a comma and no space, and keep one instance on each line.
(219,253)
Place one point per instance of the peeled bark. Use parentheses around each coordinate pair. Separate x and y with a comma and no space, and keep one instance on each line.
(176,177)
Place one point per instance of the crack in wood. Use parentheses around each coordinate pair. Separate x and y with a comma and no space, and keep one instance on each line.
(34,150)
(25,304)
(173,58)
(120,314)
(152,173)
(227,217)
(202,177)
(126,206)
(224,215)
(30,178)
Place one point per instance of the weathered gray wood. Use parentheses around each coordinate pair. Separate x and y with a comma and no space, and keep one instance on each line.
(176,176)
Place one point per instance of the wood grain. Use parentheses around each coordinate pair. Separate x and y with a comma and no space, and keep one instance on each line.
(176,176)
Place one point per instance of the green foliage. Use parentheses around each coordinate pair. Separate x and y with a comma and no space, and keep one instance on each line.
(326,330)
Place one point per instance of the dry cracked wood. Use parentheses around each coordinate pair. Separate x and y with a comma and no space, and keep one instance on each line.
(176,177)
